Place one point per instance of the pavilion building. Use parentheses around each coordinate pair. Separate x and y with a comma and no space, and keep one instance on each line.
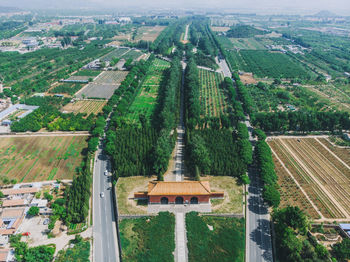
(184,192)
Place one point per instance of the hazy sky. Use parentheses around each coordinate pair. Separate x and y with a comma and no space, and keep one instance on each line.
(271,6)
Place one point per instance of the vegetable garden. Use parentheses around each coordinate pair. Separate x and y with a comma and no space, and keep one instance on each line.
(145,101)
(40,158)
(212,98)
(324,176)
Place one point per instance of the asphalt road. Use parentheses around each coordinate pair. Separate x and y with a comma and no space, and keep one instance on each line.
(105,245)
(258,235)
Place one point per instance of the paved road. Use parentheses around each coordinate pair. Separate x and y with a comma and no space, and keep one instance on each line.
(105,246)
(223,66)
(180,225)
(186,33)
(258,235)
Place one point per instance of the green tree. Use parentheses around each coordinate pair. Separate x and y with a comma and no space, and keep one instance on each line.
(48,196)
(33,211)
(271,195)
(342,250)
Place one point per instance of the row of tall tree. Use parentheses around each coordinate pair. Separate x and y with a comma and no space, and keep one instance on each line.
(267,173)
(303,121)
(244,95)
(169,37)
(166,116)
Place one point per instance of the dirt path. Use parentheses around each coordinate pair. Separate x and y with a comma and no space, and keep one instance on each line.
(315,180)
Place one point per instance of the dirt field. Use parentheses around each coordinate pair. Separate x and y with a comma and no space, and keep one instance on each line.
(149,33)
(85,106)
(220,28)
(247,78)
(28,159)
(103,86)
(323,174)
(126,187)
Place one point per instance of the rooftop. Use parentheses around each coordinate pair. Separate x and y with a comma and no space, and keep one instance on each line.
(27,190)
(12,213)
(13,202)
(4,254)
(179,188)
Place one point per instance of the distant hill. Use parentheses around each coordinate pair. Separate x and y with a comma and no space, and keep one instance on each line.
(325,13)
(8,9)
(244,31)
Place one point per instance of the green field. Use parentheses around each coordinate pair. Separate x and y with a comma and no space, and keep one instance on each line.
(267,64)
(148,239)
(212,98)
(146,98)
(215,238)
(247,43)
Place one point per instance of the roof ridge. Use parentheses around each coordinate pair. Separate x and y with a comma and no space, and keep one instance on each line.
(205,186)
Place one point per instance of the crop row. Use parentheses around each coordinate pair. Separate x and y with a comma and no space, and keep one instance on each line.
(291,194)
(319,198)
(323,170)
(212,99)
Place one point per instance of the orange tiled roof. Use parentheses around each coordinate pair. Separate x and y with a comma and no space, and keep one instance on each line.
(12,212)
(3,254)
(179,188)
(13,202)
(27,190)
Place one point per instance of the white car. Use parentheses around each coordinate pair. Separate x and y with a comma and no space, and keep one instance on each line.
(102,194)
(106,173)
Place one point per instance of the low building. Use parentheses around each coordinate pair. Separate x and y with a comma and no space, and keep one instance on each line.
(346,136)
(10,220)
(19,191)
(14,203)
(40,203)
(184,192)
(45,211)
(5,255)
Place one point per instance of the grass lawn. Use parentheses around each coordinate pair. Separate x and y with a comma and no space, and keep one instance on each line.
(218,239)
(148,239)
(233,200)
(126,187)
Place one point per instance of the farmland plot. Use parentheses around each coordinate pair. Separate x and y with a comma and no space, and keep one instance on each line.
(39,158)
(247,43)
(85,106)
(322,175)
(145,101)
(116,53)
(263,63)
(212,98)
(132,54)
(148,33)
(103,86)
